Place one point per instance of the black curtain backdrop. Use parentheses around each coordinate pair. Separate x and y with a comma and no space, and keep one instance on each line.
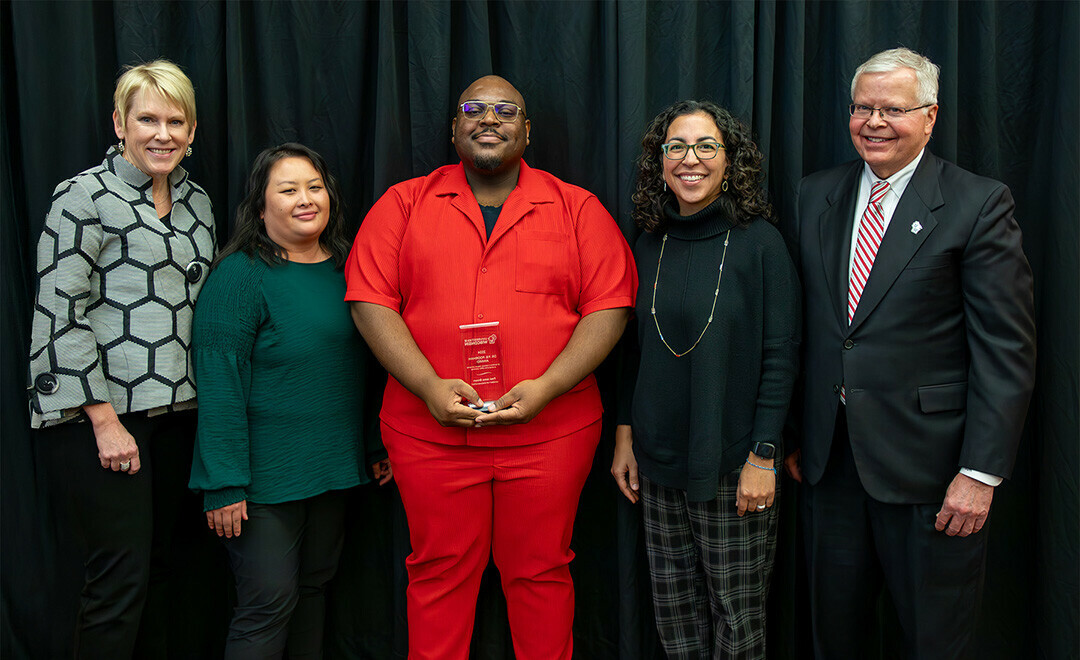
(372,87)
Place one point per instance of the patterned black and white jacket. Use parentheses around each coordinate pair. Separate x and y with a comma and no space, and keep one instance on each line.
(116,292)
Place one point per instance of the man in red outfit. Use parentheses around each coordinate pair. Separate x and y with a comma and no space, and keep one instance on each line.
(490,240)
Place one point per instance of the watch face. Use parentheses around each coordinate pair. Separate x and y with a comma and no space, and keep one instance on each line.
(765,450)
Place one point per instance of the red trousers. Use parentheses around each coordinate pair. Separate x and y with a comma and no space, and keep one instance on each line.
(465,504)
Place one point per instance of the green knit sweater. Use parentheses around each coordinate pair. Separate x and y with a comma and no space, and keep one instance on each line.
(280,372)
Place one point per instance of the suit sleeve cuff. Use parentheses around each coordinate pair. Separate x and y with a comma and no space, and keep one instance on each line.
(988,479)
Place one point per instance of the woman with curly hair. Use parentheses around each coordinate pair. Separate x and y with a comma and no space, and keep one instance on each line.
(717,339)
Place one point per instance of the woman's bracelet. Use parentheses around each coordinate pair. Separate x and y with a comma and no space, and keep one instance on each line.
(774,470)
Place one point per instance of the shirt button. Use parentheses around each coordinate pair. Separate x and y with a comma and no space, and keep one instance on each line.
(479,316)
(483,270)
(848,344)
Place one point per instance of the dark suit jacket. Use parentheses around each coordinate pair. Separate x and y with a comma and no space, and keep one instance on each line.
(939,359)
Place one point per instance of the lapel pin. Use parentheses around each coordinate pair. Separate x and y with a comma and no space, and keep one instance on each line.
(916,227)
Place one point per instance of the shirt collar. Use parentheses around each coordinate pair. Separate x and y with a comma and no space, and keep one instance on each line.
(133,176)
(897,182)
(530,184)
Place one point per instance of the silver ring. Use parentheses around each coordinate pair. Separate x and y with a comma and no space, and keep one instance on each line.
(760,507)
(125,466)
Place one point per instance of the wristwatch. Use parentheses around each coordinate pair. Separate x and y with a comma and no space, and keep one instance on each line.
(764,449)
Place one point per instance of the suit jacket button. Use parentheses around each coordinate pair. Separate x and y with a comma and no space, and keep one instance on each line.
(848,344)
(835,389)
(46,383)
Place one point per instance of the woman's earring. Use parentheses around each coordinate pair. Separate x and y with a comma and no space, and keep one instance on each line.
(723,186)
(188,152)
(665,186)
(120,146)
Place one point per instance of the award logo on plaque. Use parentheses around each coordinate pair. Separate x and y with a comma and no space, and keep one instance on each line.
(483,360)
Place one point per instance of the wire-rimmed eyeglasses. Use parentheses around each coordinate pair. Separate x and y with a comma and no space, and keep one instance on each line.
(503,111)
(865,112)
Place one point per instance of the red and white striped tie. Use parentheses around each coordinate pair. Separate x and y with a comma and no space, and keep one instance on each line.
(871,229)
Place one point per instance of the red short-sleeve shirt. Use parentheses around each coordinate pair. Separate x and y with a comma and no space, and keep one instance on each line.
(554,256)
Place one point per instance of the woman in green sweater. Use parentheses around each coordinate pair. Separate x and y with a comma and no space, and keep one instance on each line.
(717,335)
(280,371)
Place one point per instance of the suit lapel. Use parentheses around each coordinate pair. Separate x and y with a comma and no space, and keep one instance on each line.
(903,238)
(834,226)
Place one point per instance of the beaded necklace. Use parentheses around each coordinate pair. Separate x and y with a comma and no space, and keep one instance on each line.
(716,294)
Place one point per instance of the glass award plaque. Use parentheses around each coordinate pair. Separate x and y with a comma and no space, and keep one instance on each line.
(483,360)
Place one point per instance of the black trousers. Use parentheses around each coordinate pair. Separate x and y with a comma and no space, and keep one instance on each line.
(283,559)
(125,527)
(855,545)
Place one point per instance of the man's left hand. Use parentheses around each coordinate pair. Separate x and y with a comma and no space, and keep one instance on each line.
(966,506)
(523,402)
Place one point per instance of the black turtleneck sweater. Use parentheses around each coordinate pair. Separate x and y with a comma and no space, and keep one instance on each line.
(696,418)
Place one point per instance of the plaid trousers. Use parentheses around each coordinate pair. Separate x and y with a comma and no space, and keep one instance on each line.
(710,571)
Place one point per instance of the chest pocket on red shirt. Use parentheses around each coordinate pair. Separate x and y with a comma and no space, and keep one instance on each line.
(543,262)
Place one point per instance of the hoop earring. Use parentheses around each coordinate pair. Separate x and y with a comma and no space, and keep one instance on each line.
(120,146)
(723,186)
(188,152)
